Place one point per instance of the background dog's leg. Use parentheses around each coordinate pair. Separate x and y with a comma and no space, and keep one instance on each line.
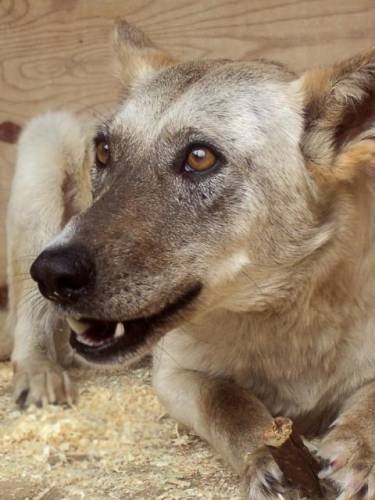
(231,419)
(6,337)
(349,447)
(38,376)
(51,184)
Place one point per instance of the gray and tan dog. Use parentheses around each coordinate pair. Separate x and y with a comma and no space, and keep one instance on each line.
(232,232)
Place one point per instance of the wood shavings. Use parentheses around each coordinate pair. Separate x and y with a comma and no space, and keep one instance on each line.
(111,445)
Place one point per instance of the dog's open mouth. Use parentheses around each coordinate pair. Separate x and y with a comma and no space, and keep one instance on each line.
(104,341)
(100,341)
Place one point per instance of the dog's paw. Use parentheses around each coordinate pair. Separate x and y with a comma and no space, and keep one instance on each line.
(263,479)
(350,463)
(42,383)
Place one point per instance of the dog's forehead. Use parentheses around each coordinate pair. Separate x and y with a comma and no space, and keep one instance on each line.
(151,98)
(206,94)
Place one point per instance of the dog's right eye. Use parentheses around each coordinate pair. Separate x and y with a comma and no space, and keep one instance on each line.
(102,152)
(199,159)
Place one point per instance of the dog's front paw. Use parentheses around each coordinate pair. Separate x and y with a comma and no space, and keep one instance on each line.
(350,462)
(263,479)
(41,383)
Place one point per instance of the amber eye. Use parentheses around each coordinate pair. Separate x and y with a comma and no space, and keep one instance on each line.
(102,153)
(200,158)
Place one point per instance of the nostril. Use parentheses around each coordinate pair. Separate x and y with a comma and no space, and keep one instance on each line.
(73,278)
(68,283)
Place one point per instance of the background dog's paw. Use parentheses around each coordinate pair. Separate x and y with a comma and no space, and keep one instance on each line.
(6,339)
(42,383)
(350,463)
(263,479)
(6,346)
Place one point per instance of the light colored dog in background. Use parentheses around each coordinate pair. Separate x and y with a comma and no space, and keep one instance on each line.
(231,232)
(50,185)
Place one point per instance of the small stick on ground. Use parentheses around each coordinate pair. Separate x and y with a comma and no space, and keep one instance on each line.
(299,467)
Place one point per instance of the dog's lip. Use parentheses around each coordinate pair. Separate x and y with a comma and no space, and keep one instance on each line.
(107,341)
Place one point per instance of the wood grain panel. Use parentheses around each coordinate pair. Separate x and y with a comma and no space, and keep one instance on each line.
(55,54)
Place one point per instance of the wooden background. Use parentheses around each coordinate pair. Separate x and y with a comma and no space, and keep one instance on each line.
(55,54)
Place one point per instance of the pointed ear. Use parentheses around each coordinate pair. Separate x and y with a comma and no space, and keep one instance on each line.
(339,108)
(135,54)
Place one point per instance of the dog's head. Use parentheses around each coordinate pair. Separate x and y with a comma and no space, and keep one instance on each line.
(212,181)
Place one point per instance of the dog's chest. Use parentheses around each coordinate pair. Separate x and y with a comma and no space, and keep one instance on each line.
(291,375)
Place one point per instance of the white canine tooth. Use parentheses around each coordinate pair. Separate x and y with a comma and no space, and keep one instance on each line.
(120,330)
(78,327)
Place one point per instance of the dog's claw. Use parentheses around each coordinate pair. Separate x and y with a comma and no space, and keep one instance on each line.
(350,464)
(363,491)
(21,398)
(264,479)
(272,484)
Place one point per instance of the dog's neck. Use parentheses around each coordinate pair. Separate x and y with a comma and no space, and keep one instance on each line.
(332,282)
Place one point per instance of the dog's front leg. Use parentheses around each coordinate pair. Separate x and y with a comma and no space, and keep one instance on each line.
(349,446)
(230,418)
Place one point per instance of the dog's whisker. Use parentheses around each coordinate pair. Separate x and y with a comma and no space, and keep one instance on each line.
(30,296)
(22,276)
(30,257)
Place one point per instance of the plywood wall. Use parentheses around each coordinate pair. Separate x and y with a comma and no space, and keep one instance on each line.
(55,54)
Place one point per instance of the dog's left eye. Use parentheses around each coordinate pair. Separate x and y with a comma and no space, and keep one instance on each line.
(199,159)
(102,152)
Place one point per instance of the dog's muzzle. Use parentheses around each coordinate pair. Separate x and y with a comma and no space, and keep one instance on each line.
(65,273)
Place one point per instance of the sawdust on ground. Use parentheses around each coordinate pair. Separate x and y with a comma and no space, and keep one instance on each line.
(116,444)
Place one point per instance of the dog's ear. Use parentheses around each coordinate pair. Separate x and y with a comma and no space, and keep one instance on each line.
(339,107)
(135,54)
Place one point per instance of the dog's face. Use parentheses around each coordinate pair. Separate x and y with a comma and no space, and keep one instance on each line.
(180,188)
(199,177)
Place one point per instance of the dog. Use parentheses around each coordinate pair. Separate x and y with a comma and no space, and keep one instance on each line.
(51,184)
(231,233)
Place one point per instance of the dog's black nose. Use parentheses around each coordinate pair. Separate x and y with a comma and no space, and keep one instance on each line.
(63,273)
